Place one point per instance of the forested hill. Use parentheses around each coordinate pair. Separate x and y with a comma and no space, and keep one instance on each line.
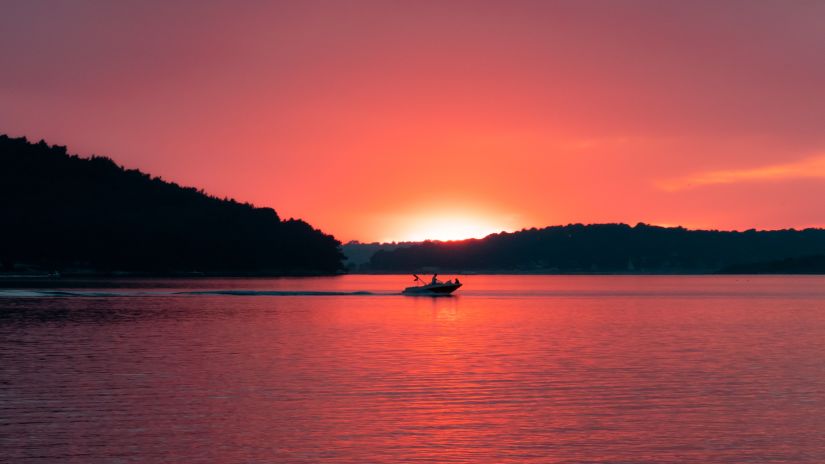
(603,248)
(63,212)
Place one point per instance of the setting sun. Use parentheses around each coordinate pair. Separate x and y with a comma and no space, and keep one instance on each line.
(448,228)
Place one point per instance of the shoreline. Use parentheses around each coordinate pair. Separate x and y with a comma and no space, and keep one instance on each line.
(6,279)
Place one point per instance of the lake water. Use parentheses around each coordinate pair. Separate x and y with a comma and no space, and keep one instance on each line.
(544,369)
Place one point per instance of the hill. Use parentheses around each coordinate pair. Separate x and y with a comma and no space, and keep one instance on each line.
(357,255)
(63,212)
(602,248)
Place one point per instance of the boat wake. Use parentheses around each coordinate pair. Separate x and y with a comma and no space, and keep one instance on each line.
(144,294)
(275,293)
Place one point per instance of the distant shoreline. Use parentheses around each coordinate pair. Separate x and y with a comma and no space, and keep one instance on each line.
(12,280)
(104,275)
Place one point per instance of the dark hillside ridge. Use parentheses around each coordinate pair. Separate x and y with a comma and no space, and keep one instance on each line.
(63,212)
(357,255)
(602,248)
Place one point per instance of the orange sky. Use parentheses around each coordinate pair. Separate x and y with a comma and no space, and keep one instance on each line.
(408,120)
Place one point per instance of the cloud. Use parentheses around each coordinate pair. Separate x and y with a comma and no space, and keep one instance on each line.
(808,168)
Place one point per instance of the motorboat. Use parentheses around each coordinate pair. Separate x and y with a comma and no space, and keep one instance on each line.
(434,288)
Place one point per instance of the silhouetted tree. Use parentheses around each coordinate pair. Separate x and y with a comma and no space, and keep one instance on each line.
(606,248)
(60,211)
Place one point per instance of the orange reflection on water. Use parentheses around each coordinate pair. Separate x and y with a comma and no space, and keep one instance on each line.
(514,369)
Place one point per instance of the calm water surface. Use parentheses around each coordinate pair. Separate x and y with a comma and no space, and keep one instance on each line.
(547,369)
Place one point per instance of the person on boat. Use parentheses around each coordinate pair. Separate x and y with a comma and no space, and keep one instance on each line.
(435,280)
(457,282)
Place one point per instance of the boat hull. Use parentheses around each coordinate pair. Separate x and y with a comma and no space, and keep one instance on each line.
(432,289)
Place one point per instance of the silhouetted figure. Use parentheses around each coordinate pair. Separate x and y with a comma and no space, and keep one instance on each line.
(457,282)
(434,281)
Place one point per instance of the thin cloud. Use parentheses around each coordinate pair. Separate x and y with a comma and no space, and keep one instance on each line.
(808,168)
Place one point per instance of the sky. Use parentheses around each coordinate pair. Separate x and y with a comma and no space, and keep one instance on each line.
(391,120)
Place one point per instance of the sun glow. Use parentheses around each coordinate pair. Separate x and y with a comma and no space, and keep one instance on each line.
(448,228)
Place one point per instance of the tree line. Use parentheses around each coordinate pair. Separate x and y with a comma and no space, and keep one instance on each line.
(61,211)
(603,248)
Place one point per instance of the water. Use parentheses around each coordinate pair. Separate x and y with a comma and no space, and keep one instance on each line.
(549,369)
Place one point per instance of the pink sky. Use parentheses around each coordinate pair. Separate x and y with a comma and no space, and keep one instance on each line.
(408,120)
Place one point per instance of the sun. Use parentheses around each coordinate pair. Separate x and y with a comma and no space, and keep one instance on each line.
(446,228)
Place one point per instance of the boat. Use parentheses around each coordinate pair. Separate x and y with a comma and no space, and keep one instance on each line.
(434,288)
